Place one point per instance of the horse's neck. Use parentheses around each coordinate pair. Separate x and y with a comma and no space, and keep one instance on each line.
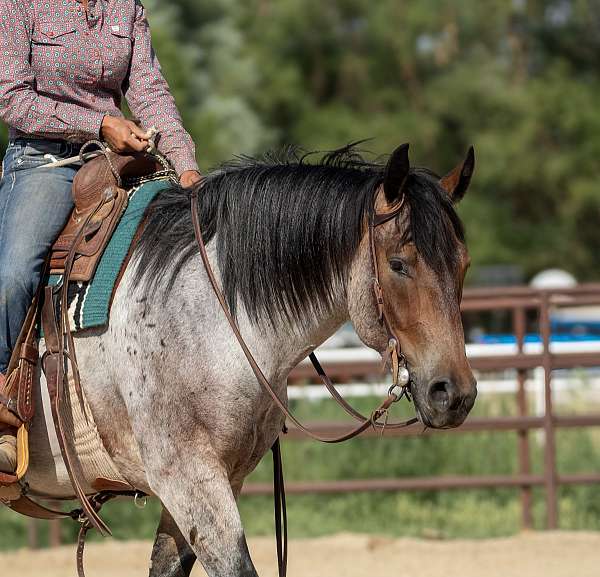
(279,348)
(283,346)
(290,348)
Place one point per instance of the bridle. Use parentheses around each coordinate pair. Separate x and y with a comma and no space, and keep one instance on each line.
(394,356)
(397,361)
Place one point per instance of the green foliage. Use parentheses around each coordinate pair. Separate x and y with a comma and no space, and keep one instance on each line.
(518,79)
(445,514)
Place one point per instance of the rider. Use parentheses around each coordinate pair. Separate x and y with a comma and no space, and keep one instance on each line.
(66,66)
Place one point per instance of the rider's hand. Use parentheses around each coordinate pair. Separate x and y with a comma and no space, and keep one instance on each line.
(123,135)
(189,178)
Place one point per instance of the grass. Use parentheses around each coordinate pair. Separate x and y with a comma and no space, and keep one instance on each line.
(446,514)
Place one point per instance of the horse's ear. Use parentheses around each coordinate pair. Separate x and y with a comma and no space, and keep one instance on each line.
(456,182)
(396,174)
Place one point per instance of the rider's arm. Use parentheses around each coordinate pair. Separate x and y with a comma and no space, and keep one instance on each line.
(21,107)
(151,101)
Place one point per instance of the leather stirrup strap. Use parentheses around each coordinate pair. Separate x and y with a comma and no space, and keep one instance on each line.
(54,364)
(27,331)
(17,394)
(379,412)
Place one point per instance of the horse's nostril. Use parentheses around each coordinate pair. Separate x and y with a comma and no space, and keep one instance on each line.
(438,393)
(443,395)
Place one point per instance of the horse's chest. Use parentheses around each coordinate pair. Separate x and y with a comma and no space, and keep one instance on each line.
(254,440)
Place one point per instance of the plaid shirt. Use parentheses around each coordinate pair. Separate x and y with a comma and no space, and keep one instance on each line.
(61,72)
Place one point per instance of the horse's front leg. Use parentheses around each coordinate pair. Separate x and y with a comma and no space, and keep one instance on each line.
(172,555)
(192,483)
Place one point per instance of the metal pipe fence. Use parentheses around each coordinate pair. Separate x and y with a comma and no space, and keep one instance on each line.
(518,301)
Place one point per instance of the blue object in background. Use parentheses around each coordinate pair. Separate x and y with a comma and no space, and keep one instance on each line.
(506,339)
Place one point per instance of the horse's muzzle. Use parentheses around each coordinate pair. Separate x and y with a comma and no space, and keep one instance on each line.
(445,404)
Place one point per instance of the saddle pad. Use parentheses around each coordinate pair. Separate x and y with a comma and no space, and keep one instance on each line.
(89,303)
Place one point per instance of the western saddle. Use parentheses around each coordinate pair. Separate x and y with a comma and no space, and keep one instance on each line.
(100,199)
(99,203)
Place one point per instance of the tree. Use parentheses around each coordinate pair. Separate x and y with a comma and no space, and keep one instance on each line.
(518,79)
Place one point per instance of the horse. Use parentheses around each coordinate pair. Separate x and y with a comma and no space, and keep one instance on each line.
(177,406)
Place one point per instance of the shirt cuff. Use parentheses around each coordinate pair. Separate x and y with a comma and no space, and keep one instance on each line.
(93,123)
(183,162)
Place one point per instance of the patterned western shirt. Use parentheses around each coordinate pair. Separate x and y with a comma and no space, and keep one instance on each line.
(62,71)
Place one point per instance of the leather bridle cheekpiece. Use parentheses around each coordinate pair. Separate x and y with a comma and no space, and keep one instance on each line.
(397,360)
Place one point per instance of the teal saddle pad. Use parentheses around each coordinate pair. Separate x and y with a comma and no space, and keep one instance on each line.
(89,303)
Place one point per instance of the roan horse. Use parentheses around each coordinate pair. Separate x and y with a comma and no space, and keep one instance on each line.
(178,407)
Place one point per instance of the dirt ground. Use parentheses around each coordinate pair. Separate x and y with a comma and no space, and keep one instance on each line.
(527,555)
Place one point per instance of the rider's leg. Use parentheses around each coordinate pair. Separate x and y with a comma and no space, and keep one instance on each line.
(34,206)
(8,452)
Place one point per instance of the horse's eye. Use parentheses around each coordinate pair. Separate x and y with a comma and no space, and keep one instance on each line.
(399,266)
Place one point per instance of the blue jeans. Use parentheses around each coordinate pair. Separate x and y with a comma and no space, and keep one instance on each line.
(35,204)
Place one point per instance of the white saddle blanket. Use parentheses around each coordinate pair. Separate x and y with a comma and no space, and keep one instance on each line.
(80,432)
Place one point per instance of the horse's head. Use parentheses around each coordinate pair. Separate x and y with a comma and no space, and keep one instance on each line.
(421,260)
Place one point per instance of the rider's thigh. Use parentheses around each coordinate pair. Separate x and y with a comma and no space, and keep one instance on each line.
(35,204)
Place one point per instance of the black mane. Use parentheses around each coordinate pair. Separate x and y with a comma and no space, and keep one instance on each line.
(288,229)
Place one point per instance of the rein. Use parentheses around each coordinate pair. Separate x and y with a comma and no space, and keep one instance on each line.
(398,364)
(393,347)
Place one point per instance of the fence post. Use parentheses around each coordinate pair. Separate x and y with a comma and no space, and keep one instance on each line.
(54,534)
(519,328)
(33,541)
(550,479)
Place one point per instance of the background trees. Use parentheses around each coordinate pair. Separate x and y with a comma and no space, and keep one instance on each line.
(517,78)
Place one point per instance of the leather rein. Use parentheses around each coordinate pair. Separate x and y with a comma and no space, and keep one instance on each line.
(398,364)
(59,349)
(400,374)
